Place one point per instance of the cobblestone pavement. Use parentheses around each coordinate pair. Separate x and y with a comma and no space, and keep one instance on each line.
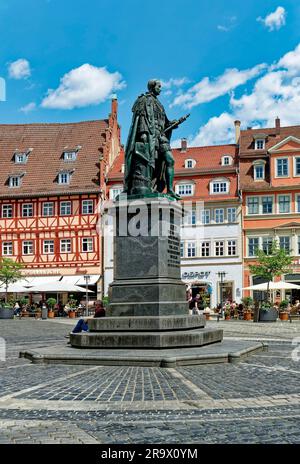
(254,401)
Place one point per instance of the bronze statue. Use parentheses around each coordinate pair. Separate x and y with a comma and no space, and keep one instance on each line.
(149,163)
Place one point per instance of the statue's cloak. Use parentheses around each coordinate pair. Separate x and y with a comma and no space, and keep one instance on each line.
(143,121)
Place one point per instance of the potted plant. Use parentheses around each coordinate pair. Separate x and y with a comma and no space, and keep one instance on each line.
(267,312)
(248,302)
(272,263)
(51,302)
(283,313)
(72,305)
(10,272)
(227,314)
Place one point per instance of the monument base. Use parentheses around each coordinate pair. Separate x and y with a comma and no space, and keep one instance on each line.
(146,332)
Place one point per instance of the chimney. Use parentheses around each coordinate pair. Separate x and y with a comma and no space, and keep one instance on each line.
(114,107)
(237,126)
(183,147)
(277,126)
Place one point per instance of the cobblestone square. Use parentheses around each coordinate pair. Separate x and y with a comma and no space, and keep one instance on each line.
(254,401)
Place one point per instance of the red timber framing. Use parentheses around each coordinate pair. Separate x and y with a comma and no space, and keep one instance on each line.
(73,227)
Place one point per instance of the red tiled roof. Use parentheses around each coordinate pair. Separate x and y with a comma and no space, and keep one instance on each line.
(207,159)
(247,140)
(48,141)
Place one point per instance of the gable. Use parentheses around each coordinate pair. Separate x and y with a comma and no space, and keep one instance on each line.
(288,144)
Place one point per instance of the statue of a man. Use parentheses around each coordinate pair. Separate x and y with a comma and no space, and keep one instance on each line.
(149,163)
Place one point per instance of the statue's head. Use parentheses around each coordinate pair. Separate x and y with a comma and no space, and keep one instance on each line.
(154,86)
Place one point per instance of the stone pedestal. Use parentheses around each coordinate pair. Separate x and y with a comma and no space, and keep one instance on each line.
(148,307)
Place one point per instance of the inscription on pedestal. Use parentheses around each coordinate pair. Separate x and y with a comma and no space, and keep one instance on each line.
(173,249)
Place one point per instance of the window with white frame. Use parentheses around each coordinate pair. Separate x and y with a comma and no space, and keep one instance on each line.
(219,215)
(253,205)
(182,249)
(7,211)
(231,214)
(184,189)
(114,192)
(219,186)
(253,244)
(28,247)
(48,208)
(64,177)
(205,216)
(87,244)
(282,167)
(20,158)
(284,203)
(219,248)
(48,247)
(65,245)
(7,248)
(267,205)
(191,218)
(259,144)
(267,245)
(70,155)
(189,163)
(226,160)
(65,208)
(27,210)
(15,181)
(298,204)
(205,249)
(284,243)
(231,248)
(87,206)
(297,166)
(191,249)
(259,170)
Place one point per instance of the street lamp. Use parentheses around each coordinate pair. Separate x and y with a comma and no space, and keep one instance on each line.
(221,276)
(87,278)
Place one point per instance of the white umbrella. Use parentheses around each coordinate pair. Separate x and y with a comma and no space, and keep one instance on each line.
(281,285)
(57,287)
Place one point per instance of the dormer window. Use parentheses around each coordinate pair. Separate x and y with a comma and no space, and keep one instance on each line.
(259,144)
(15,181)
(219,186)
(64,177)
(21,158)
(189,163)
(226,160)
(70,155)
(259,169)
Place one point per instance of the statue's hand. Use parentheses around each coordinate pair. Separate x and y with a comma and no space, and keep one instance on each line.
(144,138)
(175,122)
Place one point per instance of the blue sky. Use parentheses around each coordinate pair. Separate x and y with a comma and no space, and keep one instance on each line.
(63,60)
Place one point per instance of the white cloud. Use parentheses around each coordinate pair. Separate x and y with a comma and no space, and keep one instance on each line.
(207,90)
(29,107)
(274,20)
(83,86)
(223,28)
(276,93)
(19,69)
(174,82)
(218,130)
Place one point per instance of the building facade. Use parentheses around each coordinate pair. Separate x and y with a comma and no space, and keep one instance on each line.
(52,180)
(206,178)
(270,186)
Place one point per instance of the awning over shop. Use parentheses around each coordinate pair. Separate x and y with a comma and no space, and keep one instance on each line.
(57,284)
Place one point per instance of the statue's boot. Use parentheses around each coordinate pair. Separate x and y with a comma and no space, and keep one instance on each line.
(169,182)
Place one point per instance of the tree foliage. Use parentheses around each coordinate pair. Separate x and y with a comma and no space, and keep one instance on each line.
(10,272)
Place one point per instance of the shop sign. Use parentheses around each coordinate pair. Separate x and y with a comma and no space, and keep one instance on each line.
(195,275)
